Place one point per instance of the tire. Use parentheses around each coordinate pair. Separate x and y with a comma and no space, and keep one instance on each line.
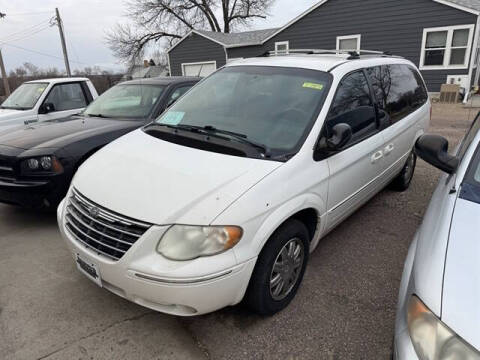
(403,180)
(290,238)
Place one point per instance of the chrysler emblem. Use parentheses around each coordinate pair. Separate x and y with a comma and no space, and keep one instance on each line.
(94,211)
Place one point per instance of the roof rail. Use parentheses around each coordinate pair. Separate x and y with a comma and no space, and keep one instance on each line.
(353,54)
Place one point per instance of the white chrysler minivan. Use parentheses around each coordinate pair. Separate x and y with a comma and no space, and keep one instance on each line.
(224,196)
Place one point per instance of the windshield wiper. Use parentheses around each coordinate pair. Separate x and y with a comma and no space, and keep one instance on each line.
(239,137)
(98,115)
(211,130)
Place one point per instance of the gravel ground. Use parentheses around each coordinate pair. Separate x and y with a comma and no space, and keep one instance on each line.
(345,308)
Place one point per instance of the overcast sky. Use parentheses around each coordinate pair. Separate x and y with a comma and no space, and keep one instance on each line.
(85,21)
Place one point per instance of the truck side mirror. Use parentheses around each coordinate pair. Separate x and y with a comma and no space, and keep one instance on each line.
(434,150)
(46,108)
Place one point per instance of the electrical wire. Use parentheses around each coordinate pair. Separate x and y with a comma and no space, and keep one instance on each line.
(40,53)
(28,13)
(29,30)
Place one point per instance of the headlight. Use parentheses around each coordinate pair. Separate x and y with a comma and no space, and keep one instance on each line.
(183,242)
(432,339)
(42,164)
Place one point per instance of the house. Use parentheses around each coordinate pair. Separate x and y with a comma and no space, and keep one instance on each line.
(439,36)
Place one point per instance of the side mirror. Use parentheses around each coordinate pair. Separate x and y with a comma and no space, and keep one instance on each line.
(46,108)
(341,135)
(434,150)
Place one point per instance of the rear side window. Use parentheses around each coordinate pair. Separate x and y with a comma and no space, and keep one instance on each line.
(398,89)
(353,105)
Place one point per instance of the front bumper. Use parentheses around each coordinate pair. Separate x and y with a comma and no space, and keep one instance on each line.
(34,194)
(184,288)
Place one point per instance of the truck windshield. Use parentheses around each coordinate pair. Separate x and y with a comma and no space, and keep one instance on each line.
(126,101)
(25,96)
(274,107)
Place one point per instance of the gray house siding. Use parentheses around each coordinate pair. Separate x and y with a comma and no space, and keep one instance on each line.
(246,51)
(195,49)
(386,25)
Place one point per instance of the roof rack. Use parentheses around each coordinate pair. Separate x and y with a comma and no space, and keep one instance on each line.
(353,54)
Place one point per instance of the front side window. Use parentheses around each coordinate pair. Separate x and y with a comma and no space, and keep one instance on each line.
(177,93)
(25,96)
(126,101)
(445,48)
(353,105)
(348,43)
(273,106)
(67,97)
(399,90)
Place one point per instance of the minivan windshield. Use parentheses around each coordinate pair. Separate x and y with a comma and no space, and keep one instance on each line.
(25,96)
(126,101)
(270,107)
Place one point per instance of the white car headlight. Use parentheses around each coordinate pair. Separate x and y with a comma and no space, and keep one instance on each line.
(185,242)
(432,339)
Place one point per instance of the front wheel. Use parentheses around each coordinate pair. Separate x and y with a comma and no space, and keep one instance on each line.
(279,269)
(403,180)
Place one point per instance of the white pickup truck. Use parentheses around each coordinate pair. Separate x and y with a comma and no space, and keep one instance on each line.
(47,99)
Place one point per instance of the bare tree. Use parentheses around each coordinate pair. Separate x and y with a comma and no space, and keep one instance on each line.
(167,21)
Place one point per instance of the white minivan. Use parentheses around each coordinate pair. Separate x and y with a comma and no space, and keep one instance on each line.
(224,196)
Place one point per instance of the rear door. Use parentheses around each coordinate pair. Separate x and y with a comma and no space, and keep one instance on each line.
(355,170)
(402,110)
(67,99)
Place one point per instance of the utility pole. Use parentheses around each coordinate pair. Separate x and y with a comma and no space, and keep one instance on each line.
(62,38)
(6,86)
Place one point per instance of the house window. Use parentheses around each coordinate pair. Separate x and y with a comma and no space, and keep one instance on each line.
(282,47)
(348,43)
(447,47)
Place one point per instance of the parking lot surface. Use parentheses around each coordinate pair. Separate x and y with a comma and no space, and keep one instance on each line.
(345,308)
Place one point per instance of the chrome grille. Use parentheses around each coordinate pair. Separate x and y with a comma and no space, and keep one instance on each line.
(99,229)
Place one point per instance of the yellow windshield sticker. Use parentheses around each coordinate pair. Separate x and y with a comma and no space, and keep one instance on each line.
(310,85)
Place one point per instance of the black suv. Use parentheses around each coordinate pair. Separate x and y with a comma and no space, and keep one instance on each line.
(37,162)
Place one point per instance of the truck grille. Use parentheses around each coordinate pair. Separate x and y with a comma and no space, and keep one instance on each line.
(99,229)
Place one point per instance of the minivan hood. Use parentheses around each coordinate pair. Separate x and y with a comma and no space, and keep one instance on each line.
(60,132)
(461,288)
(155,181)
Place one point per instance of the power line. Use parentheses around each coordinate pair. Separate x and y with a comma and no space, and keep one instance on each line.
(28,13)
(28,29)
(39,53)
(27,35)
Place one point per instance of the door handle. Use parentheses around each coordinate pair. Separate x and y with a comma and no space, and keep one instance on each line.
(388,149)
(377,156)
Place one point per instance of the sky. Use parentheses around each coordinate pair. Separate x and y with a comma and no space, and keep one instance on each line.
(26,37)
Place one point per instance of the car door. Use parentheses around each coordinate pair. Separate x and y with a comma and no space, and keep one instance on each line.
(355,169)
(401,96)
(63,100)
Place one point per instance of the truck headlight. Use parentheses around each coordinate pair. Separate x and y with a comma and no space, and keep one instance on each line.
(432,339)
(185,242)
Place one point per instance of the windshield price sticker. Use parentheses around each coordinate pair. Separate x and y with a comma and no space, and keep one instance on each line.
(172,118)
(310,85)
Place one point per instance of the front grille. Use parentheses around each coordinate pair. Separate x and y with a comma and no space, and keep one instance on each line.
(99,229)
(6,170)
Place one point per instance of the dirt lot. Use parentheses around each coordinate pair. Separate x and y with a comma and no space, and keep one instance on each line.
(344,310)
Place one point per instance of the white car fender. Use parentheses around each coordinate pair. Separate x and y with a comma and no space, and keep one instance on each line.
(260,228)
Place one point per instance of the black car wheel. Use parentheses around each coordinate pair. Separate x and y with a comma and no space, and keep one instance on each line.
(403,180)
(279,269)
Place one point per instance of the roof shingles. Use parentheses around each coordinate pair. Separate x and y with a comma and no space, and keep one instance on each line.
(239,39)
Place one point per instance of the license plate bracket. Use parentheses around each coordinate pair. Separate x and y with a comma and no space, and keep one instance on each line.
(89,269)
